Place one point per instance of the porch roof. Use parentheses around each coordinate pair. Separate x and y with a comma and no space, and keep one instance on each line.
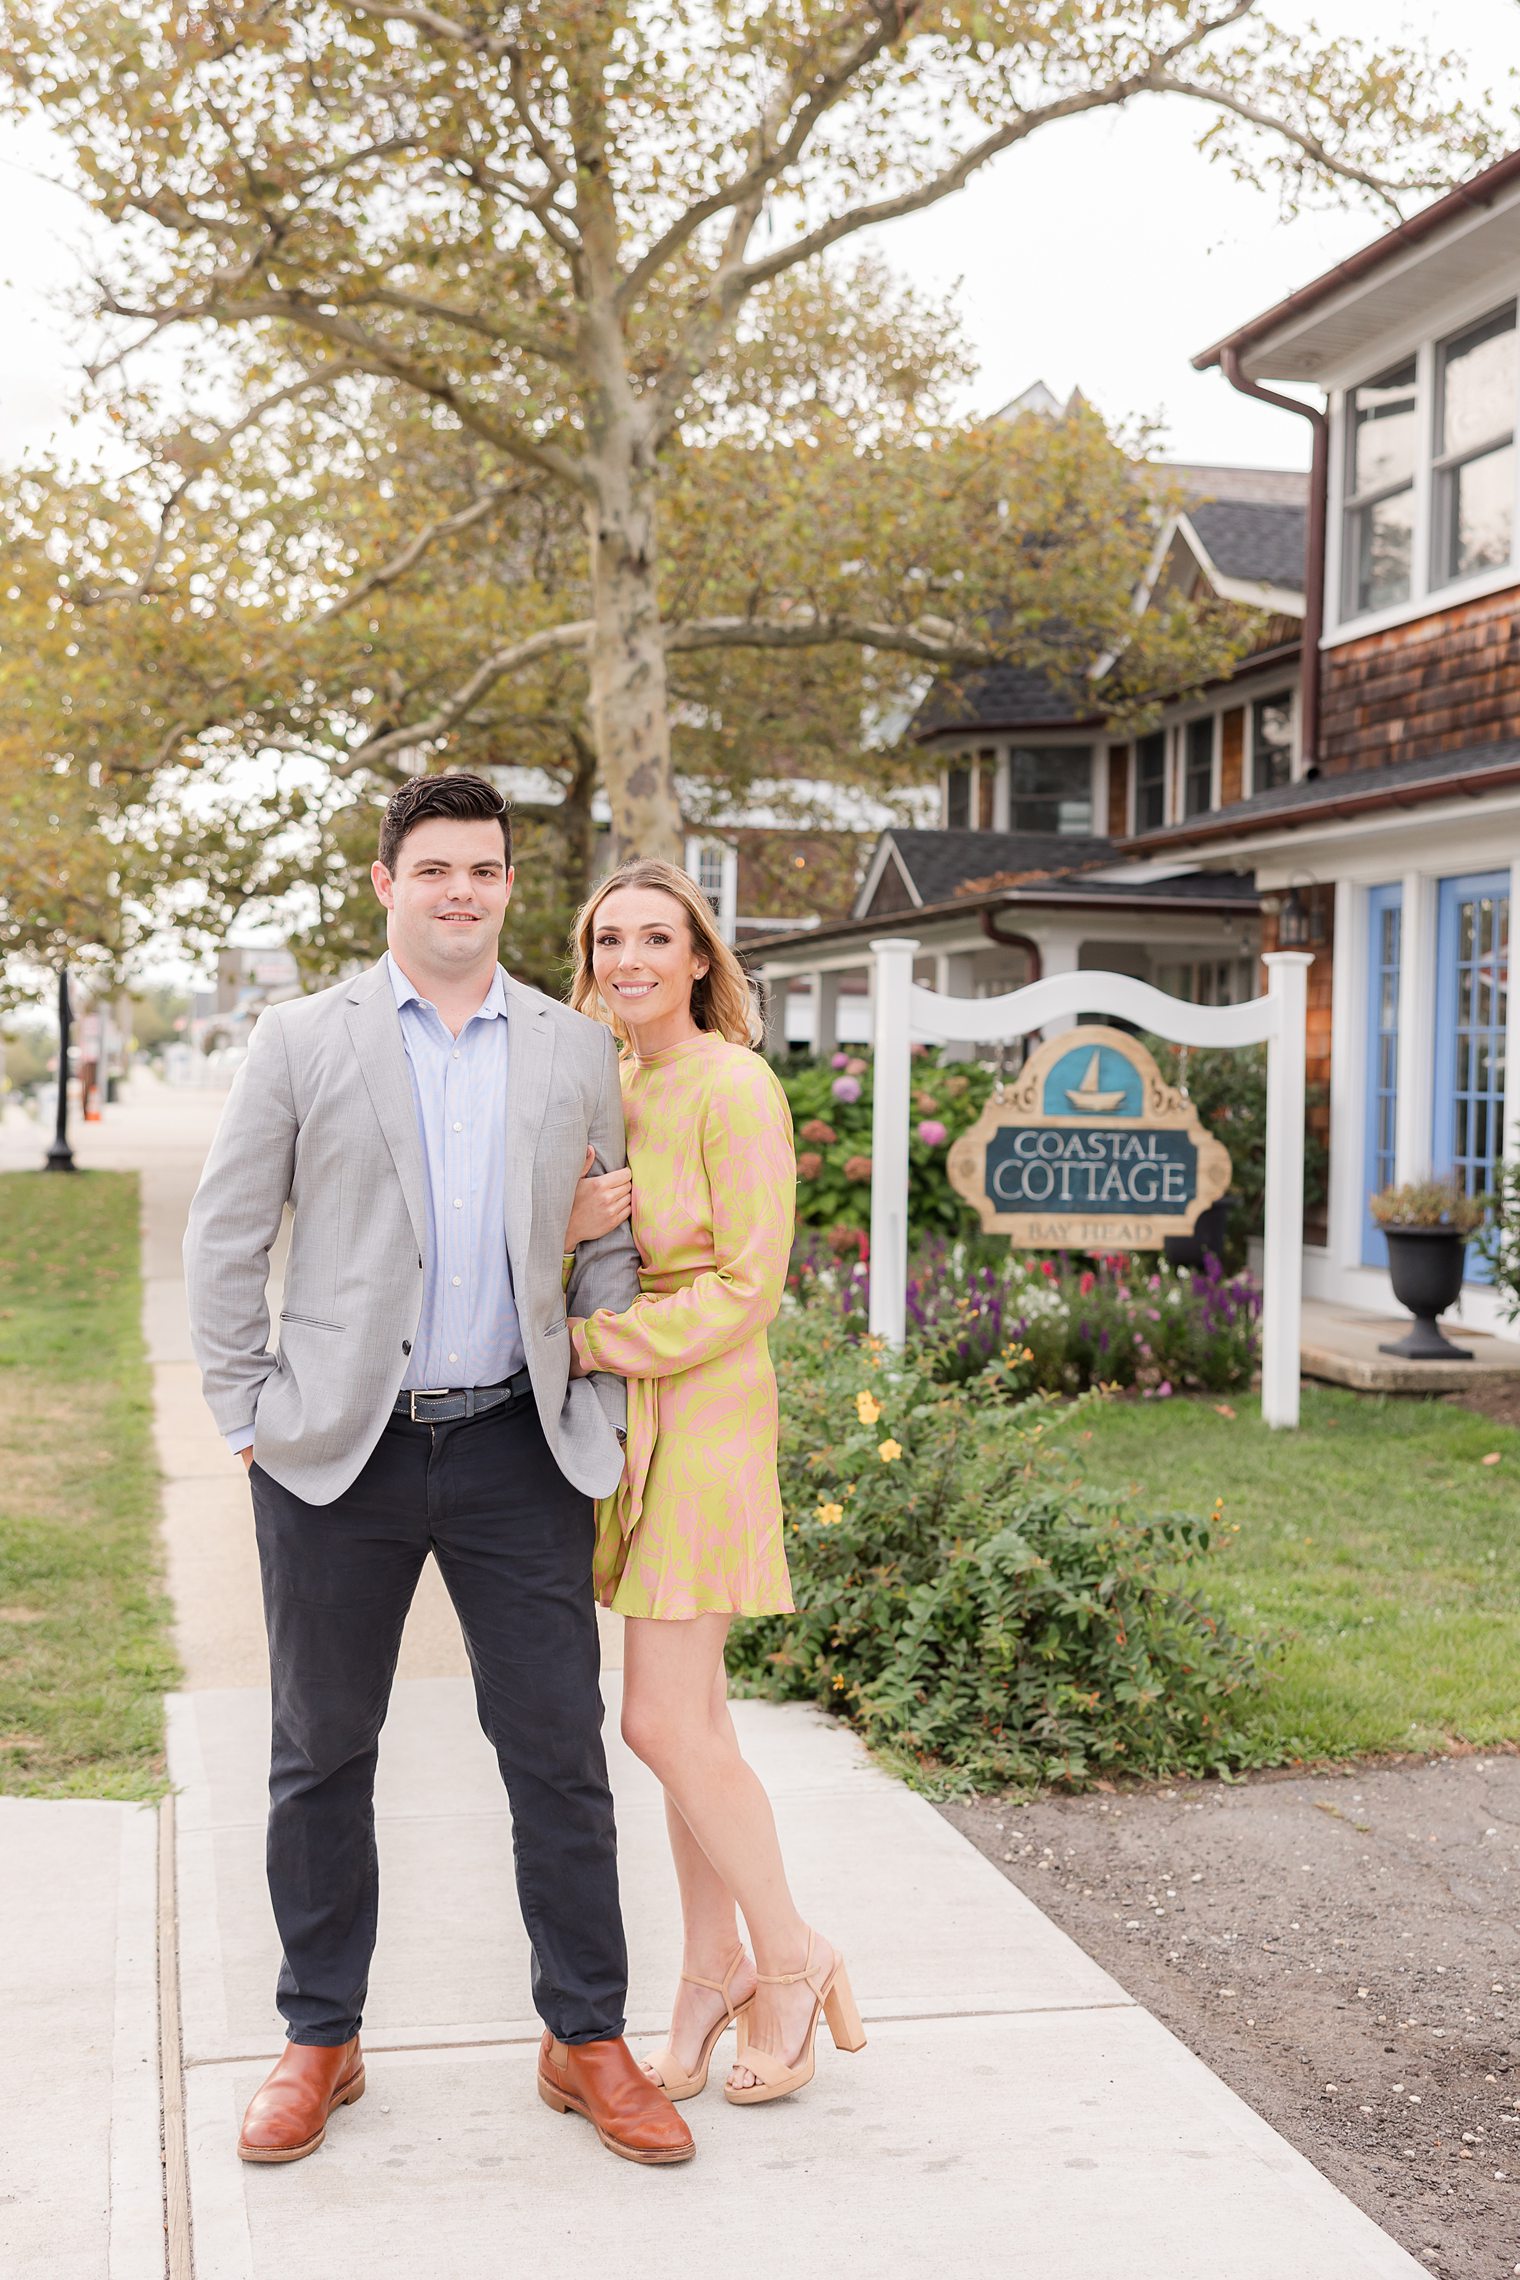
(1323,799)
(1229,893)
(941,863)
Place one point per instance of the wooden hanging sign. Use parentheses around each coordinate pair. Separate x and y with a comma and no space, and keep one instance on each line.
(1089,1150)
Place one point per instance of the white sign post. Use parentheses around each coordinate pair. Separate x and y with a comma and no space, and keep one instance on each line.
(905,1013)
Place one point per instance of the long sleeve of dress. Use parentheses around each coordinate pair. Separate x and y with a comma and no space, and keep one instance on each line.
(746,1143)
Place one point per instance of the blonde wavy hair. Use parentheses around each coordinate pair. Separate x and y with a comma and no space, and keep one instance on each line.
(722,1000)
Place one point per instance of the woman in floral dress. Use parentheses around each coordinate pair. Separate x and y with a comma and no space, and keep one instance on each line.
(693,1536)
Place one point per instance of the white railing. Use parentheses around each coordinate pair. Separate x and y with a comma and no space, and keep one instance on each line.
(905,1013)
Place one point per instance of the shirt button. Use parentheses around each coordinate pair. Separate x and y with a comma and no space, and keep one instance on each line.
(455,1054)
(458,1279)
(453,1357)
(459,1203)
(458,1127)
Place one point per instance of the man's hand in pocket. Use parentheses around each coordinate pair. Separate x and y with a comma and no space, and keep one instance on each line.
(247,1457)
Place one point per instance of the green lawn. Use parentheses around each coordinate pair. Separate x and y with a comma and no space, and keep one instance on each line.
(84,1625)
(1374,1538)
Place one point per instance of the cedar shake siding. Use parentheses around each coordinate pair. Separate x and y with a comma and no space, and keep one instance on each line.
(1118,790)
(1232,755)
(1446,681)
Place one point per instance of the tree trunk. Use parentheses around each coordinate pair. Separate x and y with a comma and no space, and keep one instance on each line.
(629,711)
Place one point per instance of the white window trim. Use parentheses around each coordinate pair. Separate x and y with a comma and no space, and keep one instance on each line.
(1425,599)
(727,905)
(1248,737)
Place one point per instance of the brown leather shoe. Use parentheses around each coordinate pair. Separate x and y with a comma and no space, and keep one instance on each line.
(604,2081)
(288,2114)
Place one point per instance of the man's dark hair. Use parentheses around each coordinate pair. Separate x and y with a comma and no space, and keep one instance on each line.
(464,797)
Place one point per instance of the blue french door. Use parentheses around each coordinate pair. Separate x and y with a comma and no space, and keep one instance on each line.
(1472,993)
(1385,936)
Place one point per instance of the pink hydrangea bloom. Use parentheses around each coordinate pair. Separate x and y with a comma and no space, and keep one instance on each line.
(932,1133)
(847,1089)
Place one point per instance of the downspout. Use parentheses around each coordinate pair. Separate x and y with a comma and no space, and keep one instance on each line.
(1314,565)
(1024,942)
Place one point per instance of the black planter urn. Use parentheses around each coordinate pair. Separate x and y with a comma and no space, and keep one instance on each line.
(1425,1266)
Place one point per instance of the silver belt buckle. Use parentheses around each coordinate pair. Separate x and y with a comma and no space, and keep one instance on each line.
(424,1393)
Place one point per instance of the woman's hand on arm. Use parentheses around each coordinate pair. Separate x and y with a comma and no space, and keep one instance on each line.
(602,1201)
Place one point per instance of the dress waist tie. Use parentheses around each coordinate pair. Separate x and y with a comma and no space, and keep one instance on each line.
(644,1409)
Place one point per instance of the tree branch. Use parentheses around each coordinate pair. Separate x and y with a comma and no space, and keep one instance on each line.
(575,634)
(409,555)
(933,639)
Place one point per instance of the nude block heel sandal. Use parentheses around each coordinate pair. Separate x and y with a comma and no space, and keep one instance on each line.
(834,2000)
(666,2067)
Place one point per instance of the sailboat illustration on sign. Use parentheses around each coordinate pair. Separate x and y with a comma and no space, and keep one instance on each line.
(1087,1096)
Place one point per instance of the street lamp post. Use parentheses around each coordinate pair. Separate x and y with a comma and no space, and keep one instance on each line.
(60,1157)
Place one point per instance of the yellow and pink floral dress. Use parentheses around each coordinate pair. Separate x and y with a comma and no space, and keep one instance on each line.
(695,1527)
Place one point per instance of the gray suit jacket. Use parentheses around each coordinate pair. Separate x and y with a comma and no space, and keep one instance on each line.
(321,1117)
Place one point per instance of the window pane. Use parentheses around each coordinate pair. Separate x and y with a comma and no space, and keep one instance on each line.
(1050,789)
(1271,743)
(958,799)
(1476,514)
(1381,546)
(1383,431)
(1150,781)
(985,787)
(1198,776)
(1478,380)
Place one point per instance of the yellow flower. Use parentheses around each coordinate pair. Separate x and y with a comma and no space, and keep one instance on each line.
(831,1514)
(838,1683)
(889,1452)
(867,1407)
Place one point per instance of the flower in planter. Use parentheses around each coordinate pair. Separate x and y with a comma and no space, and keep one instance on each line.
(955,1086)
(816,1129)
(809,1164)
(855,1067)
(839,1061)
(857,1168)
(889,1452)
(847,1089)
(867,1407)
(830,1514)
(1428,1203)
(925,1100)
(932,1133)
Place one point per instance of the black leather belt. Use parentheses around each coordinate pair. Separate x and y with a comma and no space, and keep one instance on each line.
(440,1405)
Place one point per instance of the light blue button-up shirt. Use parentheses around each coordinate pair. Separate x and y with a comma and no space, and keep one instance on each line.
(467,1333)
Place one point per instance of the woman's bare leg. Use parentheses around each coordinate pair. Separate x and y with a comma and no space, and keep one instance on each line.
(675,1717)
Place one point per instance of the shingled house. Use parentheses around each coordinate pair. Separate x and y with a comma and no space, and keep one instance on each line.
(1027,872)
(1366,808)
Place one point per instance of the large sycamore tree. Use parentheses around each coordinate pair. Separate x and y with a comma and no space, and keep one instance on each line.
(555,224)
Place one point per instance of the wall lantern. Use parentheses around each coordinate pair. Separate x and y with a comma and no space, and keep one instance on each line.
(1300,924)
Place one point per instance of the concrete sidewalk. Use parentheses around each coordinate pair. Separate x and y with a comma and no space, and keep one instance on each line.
(1014,2109)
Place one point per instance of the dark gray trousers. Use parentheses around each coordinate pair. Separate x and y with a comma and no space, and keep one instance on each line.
(513,1540)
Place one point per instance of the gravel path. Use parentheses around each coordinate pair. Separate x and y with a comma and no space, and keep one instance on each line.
(1343,1948)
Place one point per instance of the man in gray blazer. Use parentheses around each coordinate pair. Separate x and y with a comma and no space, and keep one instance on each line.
(426,1125)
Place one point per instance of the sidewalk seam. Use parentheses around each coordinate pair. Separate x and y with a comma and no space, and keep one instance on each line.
(178,2246)
(531,2035)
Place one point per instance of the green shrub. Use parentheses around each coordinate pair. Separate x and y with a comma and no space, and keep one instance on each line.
(833,1134)
(967,1604)
(1228,1087)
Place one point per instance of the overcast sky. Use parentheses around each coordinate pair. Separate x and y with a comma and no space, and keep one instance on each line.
(1103,254)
